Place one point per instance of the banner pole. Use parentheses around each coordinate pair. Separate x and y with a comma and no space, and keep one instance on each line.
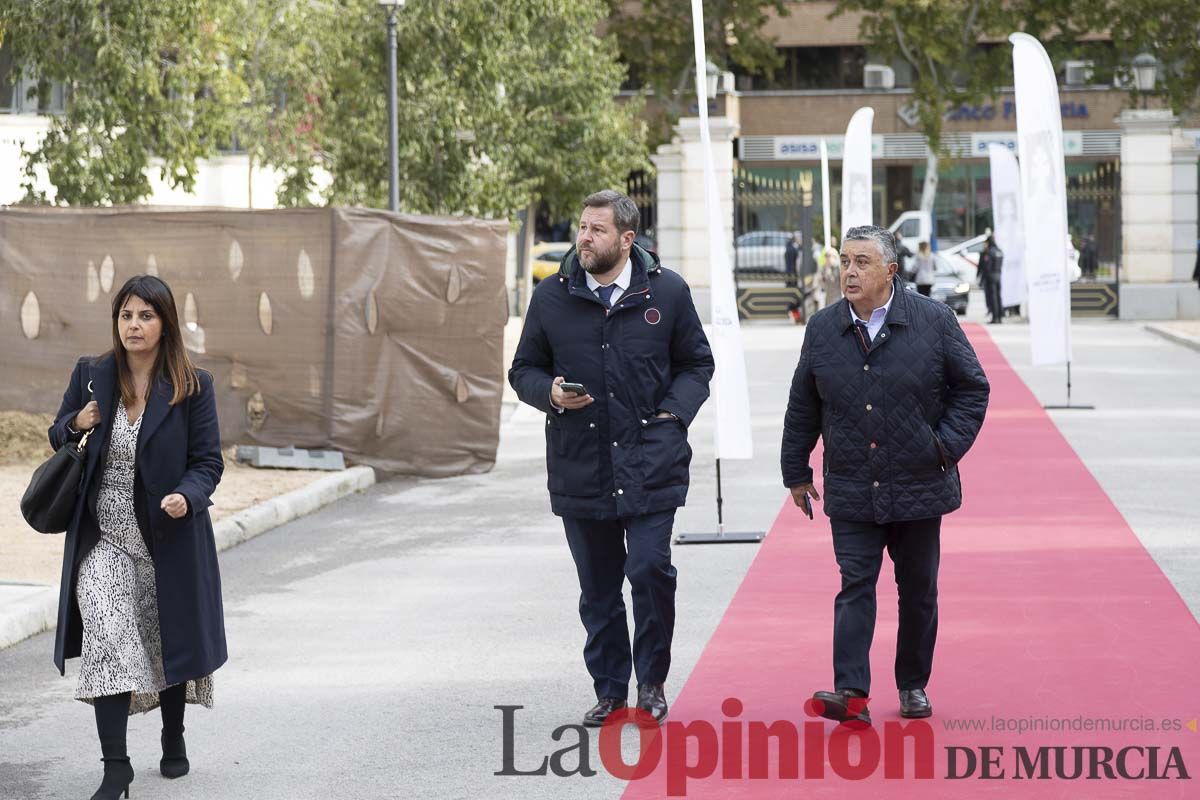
(732,436)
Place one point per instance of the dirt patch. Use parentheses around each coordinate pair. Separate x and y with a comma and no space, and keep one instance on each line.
(27,556)
(23,437)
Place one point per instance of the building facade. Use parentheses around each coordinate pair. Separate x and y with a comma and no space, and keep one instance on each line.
(828,74)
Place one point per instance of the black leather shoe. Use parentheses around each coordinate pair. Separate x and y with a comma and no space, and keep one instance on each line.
(914,704)
(596,715)
(653,700)
(836,705)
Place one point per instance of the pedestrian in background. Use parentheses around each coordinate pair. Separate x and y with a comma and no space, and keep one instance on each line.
(831,274)
(791,254)
(614,354)
(991,263)
(140,597)
(1089,263)
(924,269)
(890,383)
(904,257)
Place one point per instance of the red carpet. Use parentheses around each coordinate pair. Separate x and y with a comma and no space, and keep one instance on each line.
(1051,614)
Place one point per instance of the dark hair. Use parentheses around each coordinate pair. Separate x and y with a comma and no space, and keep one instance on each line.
(173,362)
(873,233)
(625,211)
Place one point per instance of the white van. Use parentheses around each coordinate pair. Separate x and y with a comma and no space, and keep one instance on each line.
(915,227)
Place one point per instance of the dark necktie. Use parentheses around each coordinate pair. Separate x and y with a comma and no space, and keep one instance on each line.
(864,333)
(606,293)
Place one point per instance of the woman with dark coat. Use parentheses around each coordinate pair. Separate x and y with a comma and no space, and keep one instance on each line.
(140,597)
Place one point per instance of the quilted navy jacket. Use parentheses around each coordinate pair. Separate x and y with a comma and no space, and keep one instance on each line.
(614,459)
(896,415)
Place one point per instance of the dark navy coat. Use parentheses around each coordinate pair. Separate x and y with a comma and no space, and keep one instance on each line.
(178,451)
(613,459)
(896,416)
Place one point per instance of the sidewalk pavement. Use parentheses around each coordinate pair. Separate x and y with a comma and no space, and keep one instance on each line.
(28,609)
(1184,332)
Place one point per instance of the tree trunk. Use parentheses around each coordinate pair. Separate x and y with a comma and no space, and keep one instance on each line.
(249,180)
(929,189)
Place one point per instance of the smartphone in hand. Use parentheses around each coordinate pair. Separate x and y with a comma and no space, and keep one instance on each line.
(807,505)
(574,388)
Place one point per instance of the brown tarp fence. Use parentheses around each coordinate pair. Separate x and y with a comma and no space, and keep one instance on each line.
(372,333)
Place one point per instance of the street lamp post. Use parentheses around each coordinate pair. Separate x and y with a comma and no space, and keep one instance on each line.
(393,133)
(1145,74)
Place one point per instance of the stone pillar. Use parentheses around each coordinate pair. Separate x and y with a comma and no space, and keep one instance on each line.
(1158,217)
(682,218)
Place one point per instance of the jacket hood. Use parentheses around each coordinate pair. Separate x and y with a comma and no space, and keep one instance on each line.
(637,254)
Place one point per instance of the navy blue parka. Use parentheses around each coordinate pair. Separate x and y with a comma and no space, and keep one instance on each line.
(614,459)
(178,451)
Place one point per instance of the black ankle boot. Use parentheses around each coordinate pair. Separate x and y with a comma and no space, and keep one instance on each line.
(118,774)
(112,714)
(174,763)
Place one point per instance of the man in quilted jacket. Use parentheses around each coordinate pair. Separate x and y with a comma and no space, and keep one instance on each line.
(890,383)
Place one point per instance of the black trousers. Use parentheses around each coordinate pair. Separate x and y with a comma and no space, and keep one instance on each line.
(915,549)
(606,552)
(995,308)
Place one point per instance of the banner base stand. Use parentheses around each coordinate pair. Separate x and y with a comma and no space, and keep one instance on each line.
(719,538)
(1069,404)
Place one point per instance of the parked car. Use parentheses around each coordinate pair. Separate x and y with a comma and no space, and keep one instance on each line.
(965,255)
(763,251)
(950,284)
(760,251)
(546,257)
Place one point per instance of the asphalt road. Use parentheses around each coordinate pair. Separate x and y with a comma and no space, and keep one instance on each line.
(371,642)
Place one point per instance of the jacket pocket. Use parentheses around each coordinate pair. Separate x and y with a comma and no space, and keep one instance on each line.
(933,459)
(573,456)
(827,450)
(666,454)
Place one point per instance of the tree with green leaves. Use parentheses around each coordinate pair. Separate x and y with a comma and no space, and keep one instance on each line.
(940,41)
(500,105)
(656,42)
(143,79)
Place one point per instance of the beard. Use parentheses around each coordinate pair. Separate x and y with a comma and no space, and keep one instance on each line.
(598,262)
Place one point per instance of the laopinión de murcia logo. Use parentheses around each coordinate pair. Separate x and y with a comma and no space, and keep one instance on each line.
(737,748)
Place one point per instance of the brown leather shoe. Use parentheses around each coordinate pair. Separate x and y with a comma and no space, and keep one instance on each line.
(837,705)
(596,715)
(914,704)
(652,699)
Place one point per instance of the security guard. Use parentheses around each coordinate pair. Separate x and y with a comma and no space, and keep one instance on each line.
(617,456)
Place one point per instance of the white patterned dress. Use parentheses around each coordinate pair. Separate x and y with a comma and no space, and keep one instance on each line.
(122,643)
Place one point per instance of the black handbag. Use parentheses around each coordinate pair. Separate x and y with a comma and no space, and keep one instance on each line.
(49,502)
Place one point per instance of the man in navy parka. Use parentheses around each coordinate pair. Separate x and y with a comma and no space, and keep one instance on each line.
(617,455)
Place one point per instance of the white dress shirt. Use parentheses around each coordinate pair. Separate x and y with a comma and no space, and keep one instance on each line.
(877,316)
(622,283)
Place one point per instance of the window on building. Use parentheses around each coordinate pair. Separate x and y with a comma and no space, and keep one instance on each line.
(24,94)
(811,68)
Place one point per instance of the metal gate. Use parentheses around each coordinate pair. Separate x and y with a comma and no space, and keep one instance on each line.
(642,189)
(767,213)
(1094,212)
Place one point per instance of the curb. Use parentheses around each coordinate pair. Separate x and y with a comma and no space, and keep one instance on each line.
(35,608)
(1177,338)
